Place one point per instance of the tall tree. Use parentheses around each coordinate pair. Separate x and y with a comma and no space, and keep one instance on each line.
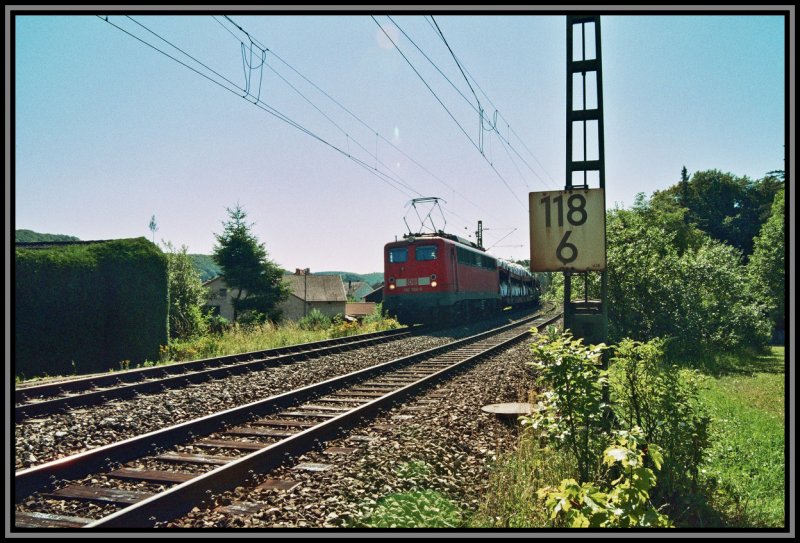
(186,294)
(153,227)
(684,187)
(767,266)
(729,208)
(248,270)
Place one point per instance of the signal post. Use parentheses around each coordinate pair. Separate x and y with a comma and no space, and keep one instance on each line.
(568,228)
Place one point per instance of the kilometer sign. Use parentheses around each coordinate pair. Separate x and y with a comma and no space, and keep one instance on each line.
(568,230)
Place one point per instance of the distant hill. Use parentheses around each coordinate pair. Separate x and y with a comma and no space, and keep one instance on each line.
(205,266)
(369,278)
(29,236)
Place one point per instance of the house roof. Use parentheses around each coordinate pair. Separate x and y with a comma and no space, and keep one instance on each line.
(353,286)
(317,288)
(359,309)
(216,279)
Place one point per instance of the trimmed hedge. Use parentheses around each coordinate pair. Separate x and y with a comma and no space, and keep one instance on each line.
(87,306)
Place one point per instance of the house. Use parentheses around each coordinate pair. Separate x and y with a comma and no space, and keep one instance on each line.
(375,296)
(325,293)
(359,310)
(356,290)
(306,292)
(220,299)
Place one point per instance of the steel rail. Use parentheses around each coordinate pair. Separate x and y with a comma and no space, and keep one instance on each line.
(183,497)
(173,502)
(44,476)
(193,372)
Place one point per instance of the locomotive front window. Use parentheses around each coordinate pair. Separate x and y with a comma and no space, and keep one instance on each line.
(398,254)
(425,252)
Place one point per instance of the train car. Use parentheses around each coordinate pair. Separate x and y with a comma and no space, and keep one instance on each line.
(441,277)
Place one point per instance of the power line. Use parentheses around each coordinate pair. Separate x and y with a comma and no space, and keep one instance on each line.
(448,112)
(258,103)
(356,117)
(457,62)
(497,111)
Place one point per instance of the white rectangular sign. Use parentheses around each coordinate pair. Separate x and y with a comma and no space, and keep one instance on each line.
(568,230)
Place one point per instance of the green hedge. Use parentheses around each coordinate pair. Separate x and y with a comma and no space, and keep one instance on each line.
(87,306)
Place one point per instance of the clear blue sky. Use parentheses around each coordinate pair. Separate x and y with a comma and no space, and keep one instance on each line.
(110,132)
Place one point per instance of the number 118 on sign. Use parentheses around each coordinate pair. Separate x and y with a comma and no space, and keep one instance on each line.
(568,230)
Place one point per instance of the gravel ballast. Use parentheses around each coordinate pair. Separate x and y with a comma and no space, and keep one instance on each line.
(440,442)
(43,439)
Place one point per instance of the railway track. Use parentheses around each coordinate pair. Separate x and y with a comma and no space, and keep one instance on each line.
(46,399)
(254,438)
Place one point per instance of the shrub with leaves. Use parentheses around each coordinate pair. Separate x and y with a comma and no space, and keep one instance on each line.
(624,503)
(663,401)
(315,320)
(571,412)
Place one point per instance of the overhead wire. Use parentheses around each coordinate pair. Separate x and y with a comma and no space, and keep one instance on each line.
(478,109)
(449,113)
(356,117)
(258,103)
(492,126)
(349,137)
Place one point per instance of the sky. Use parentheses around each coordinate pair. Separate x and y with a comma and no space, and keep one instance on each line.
(326,141)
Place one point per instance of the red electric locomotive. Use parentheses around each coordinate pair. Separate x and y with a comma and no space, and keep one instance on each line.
(440,277)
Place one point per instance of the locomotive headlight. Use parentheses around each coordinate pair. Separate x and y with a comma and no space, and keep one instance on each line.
(391,286)
(434,283)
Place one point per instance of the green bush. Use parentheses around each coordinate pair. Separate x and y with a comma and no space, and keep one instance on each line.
(87,306)
(664,402)
(187,296)
(695,292)
(315,320)
(571,412)
(624,502)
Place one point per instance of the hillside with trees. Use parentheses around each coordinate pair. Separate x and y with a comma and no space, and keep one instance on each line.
(371,279)
(205,266)
(29,236)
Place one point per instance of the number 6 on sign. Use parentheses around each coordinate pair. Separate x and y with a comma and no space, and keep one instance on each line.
(568,230)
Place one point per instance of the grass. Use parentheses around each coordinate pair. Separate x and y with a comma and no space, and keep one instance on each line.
(414,509)
(243,339)
(744,472)
(511,501)
(743,475)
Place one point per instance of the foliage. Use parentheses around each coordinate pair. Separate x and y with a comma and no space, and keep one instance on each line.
(767,266)
(372,279)
(696,293)
(379,317)
(235,338)
(571,413)
(625,503)
(91,303)
(731,209)
(247,268)
(186,295)
(205,266)
(315,320)
(663,402)
(510,500)
(415,509)
(153,227)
